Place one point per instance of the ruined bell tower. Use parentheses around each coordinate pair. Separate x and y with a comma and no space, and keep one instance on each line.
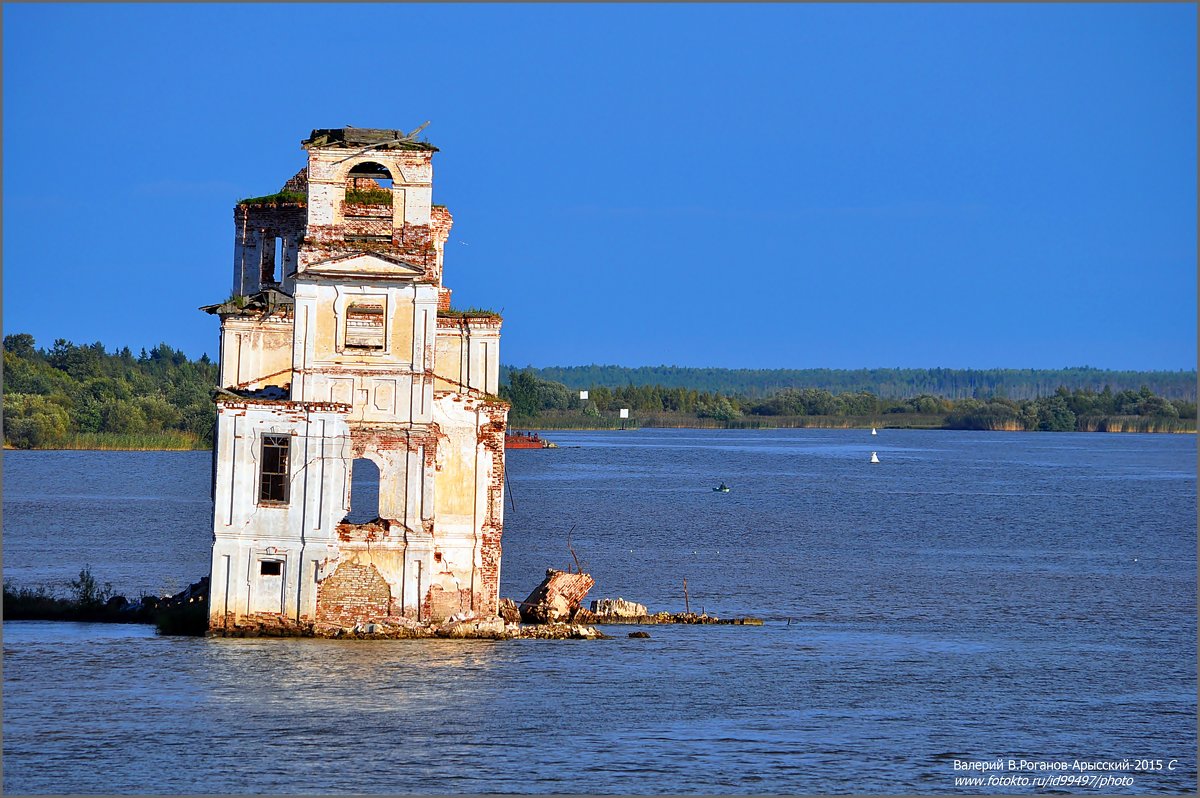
(340,354)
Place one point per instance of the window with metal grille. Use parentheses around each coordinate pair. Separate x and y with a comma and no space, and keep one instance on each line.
(273,479)
(364,325)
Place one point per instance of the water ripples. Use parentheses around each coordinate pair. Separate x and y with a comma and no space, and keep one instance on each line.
(973,596)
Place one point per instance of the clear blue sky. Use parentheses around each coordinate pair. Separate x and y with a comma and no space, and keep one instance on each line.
(706,185)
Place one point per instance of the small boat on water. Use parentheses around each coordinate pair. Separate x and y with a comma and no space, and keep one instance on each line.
(874,457)
(873,432)
(527,440)
(722,488)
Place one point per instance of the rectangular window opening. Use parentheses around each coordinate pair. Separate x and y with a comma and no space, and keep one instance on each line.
(274,479)
(365,325)
(270,568)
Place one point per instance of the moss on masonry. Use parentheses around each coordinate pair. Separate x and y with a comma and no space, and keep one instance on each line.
(280,198)
(479,313)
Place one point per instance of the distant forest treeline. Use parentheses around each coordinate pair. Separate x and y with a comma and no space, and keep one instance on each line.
(84,397)
(546,404)
(1017,384)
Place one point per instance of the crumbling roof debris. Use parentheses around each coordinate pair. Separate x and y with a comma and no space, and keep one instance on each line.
(273,393)
(375,138)
(265,301)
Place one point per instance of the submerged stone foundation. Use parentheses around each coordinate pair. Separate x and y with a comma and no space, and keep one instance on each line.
(493,628)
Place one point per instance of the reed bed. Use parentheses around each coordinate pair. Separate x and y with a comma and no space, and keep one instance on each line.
(171,440)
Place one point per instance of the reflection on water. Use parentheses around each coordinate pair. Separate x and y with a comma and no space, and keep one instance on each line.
(972,596)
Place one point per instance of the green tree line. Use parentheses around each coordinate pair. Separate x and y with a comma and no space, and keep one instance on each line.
(537,400)
(981,384)
(82,396)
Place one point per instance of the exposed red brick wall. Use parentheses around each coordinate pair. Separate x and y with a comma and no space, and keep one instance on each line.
(278,220)
(411,243)
(356,183)
(353,209)
(440,221)
(367,226)
(297,182)
(473,322)
(491,437)
(441,604)
(443,299)
(353,594)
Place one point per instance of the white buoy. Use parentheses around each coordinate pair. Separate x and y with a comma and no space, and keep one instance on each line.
(874,457)
(873,432)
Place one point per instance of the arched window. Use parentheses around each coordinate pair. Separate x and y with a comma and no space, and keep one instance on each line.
(368,207)
(369,177)
(364,491)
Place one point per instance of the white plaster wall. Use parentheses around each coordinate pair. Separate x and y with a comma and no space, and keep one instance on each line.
(302,534)
(255,352)
(468,357)
(485,360)
(464,472)
(389,385)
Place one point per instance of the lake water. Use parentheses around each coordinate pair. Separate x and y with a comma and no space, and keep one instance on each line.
(973,596)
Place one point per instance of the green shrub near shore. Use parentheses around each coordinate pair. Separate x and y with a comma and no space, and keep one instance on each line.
(89,601)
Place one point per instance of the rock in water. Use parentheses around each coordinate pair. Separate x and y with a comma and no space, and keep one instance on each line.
(474,628)
(619,608)
(559,594)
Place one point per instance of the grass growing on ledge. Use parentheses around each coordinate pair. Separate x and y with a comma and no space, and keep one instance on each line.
(278,198)
(482,313)
(370,196)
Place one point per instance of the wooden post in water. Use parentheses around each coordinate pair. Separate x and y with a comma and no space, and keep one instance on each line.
(686,606)
(508,484)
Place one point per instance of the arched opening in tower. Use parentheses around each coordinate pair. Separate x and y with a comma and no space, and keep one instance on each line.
(369,176)
(369,206)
